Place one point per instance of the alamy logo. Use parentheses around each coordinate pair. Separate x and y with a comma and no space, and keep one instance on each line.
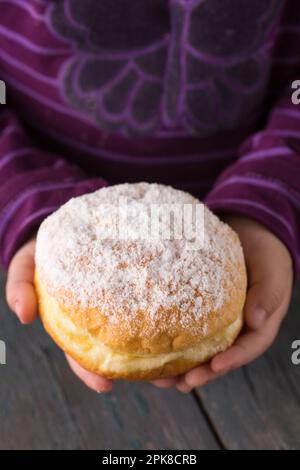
(296,92)
(2,92)
(2,353)
(153,222)
(296,354)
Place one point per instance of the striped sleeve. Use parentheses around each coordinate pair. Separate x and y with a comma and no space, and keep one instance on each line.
(33,183)
(264,183)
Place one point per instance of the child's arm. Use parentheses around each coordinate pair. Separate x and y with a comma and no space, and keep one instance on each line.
(33,184)
(262,189)
(264,184)
(270,280)
(260,197)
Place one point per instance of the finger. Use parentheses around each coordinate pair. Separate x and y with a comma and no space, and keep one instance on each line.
(20,293)
(197,378)
(165,383)
(183,387)
(95,382)
(269,287)
(247,347)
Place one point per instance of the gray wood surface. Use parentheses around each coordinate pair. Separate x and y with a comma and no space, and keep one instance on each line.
(44,406)
(258,407)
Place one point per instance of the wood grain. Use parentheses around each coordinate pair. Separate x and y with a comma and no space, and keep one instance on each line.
(44,406)
(258,407)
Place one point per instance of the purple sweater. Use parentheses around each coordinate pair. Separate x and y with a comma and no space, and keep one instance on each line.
(192,93)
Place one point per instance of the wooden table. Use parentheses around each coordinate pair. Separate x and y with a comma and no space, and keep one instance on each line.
(44,406)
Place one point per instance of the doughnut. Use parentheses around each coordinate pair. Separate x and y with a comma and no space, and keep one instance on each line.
(132,287)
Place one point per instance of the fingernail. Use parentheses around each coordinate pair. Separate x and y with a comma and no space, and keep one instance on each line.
(17,309)
(259,317)
(223,369)
(102,390)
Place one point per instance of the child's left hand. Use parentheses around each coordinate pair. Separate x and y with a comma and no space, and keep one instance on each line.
(270,280)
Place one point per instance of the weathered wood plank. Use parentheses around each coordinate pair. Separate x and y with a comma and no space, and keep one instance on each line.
(258,407)
(44,406)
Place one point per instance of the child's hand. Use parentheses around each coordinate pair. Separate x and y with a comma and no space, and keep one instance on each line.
(21,298)
(270,279)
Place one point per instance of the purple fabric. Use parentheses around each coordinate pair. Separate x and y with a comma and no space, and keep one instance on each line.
(33,184)
(190,93)
(167,63)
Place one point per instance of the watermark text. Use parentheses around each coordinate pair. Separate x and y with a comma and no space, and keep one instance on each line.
(2,353)
(2,92)
(295,358)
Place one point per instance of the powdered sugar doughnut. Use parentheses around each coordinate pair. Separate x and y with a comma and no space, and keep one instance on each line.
(141,299)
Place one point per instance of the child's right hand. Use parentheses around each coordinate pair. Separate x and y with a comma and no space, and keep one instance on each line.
(21,298)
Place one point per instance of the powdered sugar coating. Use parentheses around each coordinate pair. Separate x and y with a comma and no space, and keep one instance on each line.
(124,276)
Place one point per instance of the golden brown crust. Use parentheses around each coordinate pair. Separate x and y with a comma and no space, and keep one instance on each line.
(144,337)
(136,307)
(170,369)
(88,351)
(137,296)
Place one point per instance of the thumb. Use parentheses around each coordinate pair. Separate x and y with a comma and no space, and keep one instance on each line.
(270,283)
(20,293)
